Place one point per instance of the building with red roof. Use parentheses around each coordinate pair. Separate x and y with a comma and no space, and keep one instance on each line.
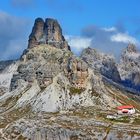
(127,109)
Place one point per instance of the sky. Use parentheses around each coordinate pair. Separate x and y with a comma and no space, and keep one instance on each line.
(106,25)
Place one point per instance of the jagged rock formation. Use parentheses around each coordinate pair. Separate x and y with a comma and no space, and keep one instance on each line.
(103,63)
(50,78)
(61,78)
(129,67)
(48,32)
(44,63)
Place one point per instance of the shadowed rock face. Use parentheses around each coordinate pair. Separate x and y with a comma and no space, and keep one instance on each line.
(136,78)
(47,32)
(129,67)
(37,33)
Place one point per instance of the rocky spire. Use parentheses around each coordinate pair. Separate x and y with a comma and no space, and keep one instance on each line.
(47,32)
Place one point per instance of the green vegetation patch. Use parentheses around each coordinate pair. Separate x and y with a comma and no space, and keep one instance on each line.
(124,119)
(74,90)
(136,121)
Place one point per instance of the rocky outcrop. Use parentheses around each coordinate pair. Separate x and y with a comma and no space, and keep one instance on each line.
(103,63)
(54,79)
(47,32)
(77,72)
(43,63)
(129,66)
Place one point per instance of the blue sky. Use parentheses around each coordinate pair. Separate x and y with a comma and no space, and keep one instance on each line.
(107,25)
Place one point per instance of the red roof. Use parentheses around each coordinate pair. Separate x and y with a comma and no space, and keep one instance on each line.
(125,107)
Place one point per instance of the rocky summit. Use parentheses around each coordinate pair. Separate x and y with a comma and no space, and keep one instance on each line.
(129,67)
(51,94)
(47,32)
(101,62)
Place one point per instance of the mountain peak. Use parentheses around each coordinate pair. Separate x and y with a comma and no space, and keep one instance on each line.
(47,32)
(131,48)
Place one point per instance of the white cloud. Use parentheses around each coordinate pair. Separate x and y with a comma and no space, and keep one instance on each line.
(124,37)
(111,29)
(14,49)
(109,40)
(78,43)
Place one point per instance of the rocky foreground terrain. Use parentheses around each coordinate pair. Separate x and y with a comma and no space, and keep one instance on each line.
(51,94)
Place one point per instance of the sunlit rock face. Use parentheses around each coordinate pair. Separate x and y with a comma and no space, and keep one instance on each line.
(47,32)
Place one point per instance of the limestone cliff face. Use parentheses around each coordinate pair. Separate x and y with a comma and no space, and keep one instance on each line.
(47,32)
(44,62)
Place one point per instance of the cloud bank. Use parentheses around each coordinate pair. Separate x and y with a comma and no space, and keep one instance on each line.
(78,43)
(108,40)
(13,36)
(124,38)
